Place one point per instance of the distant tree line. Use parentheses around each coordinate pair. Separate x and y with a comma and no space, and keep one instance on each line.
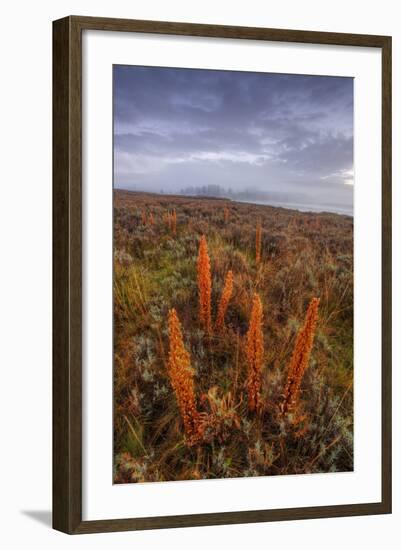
(207,191)
(214,190)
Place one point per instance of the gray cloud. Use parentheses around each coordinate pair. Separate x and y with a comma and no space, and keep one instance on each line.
(179,127)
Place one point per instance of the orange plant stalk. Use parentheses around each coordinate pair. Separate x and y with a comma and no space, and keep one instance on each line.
(300,357)
(226,214)
(143,215)
(224,300)
(174,222)
(181,377)
(254,350)
(151,219)
(204,286)
(258,242)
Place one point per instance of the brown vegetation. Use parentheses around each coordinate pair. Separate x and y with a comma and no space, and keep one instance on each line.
(182,378)
(224,300)
(204,286)
(254,354)
(258,243)
(300,357)
(226,214)
(173,222)
(237,402)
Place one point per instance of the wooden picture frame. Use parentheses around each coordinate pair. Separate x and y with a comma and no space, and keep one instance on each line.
(67,274)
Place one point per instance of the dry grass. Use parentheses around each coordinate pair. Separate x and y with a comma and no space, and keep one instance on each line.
(304,359)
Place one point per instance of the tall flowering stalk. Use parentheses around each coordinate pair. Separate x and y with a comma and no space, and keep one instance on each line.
(204,286)
(226,214)
(300,357)
(151,219)
(182,379)
(173,222)
(254,353)
(224,300)
(143,216)
(258,243)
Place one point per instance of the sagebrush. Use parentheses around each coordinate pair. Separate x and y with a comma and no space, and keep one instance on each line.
(233,339)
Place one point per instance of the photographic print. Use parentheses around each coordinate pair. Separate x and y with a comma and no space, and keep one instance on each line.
(233,274)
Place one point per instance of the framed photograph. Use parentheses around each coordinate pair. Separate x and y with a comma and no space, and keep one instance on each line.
(222,274)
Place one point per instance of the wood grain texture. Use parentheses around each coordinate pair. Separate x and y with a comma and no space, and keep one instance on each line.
(67,274)
(67,279)
(386,275)
(226,31)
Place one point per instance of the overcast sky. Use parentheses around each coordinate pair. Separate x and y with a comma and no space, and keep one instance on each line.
(175,128)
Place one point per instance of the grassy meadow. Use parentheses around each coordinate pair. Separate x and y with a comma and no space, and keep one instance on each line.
(223,376)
